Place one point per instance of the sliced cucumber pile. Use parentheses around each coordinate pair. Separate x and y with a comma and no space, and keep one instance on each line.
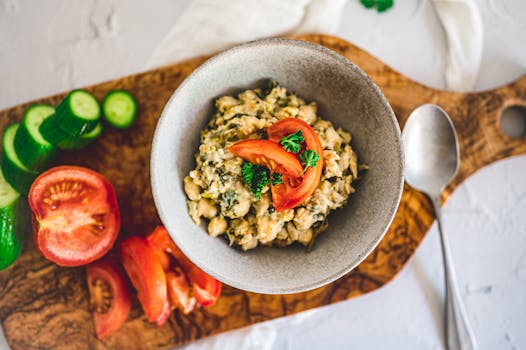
(119,108)
(15,172)
(33,150)
(11,224)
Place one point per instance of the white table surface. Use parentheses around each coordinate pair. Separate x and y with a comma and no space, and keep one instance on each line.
(56,45)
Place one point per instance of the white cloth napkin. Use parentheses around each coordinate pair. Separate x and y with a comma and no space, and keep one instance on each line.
(208,26)
(463,27)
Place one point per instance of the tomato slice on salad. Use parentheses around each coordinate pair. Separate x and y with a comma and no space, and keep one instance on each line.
(110,298)
(76,218)
(294,191)
(205,288)
(147,276)
(269,154)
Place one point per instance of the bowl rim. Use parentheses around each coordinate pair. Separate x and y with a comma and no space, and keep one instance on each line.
(400,165)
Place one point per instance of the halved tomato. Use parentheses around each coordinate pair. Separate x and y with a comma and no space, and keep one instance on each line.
(205,288)
(269,154)
(110,298)
(294,191)
(75,215)
(147,276)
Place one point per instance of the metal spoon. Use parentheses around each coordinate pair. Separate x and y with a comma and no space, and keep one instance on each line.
(432,160)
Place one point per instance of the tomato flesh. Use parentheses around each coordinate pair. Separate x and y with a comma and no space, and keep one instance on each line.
(179,291)
(269,154)
(76,217)
(205,288)
(147,276)
(110,296)
(294,191)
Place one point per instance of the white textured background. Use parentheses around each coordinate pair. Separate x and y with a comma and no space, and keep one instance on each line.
(55,45)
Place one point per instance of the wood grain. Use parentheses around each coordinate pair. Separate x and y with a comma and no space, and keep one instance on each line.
(43,306)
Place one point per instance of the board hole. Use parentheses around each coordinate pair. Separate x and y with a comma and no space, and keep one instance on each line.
(513,121)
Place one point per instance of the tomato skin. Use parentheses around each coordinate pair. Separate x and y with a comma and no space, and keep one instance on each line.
(160,244)
(147,276)
(205,288)
(111,273)
(269,154)
(80,224)
(292,192)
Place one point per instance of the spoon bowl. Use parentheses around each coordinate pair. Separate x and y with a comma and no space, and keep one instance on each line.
(431,149)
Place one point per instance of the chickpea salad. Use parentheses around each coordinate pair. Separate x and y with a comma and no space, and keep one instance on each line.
(269,170)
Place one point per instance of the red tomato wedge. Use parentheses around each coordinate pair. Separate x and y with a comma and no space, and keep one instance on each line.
(294,191)
(269,154)
(110,297)
(160,244)
(205,288)
(179,291)
(76,218)
(147,276)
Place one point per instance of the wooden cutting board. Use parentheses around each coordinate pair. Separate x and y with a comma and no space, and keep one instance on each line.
(43,306)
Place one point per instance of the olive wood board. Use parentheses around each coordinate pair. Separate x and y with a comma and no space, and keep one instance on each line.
(44,306)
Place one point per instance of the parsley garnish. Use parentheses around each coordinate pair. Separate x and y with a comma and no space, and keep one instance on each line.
(276,179)
(256,176)
(248,172)
(261,179)
(308,158)
(381,5)
(292,143)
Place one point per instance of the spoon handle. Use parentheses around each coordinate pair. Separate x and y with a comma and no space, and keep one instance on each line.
(459,335)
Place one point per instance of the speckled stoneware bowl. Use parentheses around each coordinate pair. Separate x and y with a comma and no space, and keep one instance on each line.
(347,97)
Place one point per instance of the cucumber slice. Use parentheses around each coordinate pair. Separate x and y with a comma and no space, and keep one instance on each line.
(10,224)
(119,108)
(15,172)
(34,151)
(81,141)
(77,114)
(51,132)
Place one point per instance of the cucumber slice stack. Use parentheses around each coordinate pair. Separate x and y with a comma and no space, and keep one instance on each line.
(76,115)
(15,172)
(33,150)
(72,143)
(11,224)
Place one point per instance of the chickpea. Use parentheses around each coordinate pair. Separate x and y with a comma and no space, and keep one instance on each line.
(206,208)
(192,189)
(267,229)
(217,226)
(303,219)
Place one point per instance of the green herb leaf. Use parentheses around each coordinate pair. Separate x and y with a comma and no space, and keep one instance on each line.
(292,143)
(380,5)
(384,5)
(308,158)
(276,179)
(261,179)
(229,198)
(247,170)
(368,3)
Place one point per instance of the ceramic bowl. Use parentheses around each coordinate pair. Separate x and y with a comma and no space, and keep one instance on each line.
(347,97)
